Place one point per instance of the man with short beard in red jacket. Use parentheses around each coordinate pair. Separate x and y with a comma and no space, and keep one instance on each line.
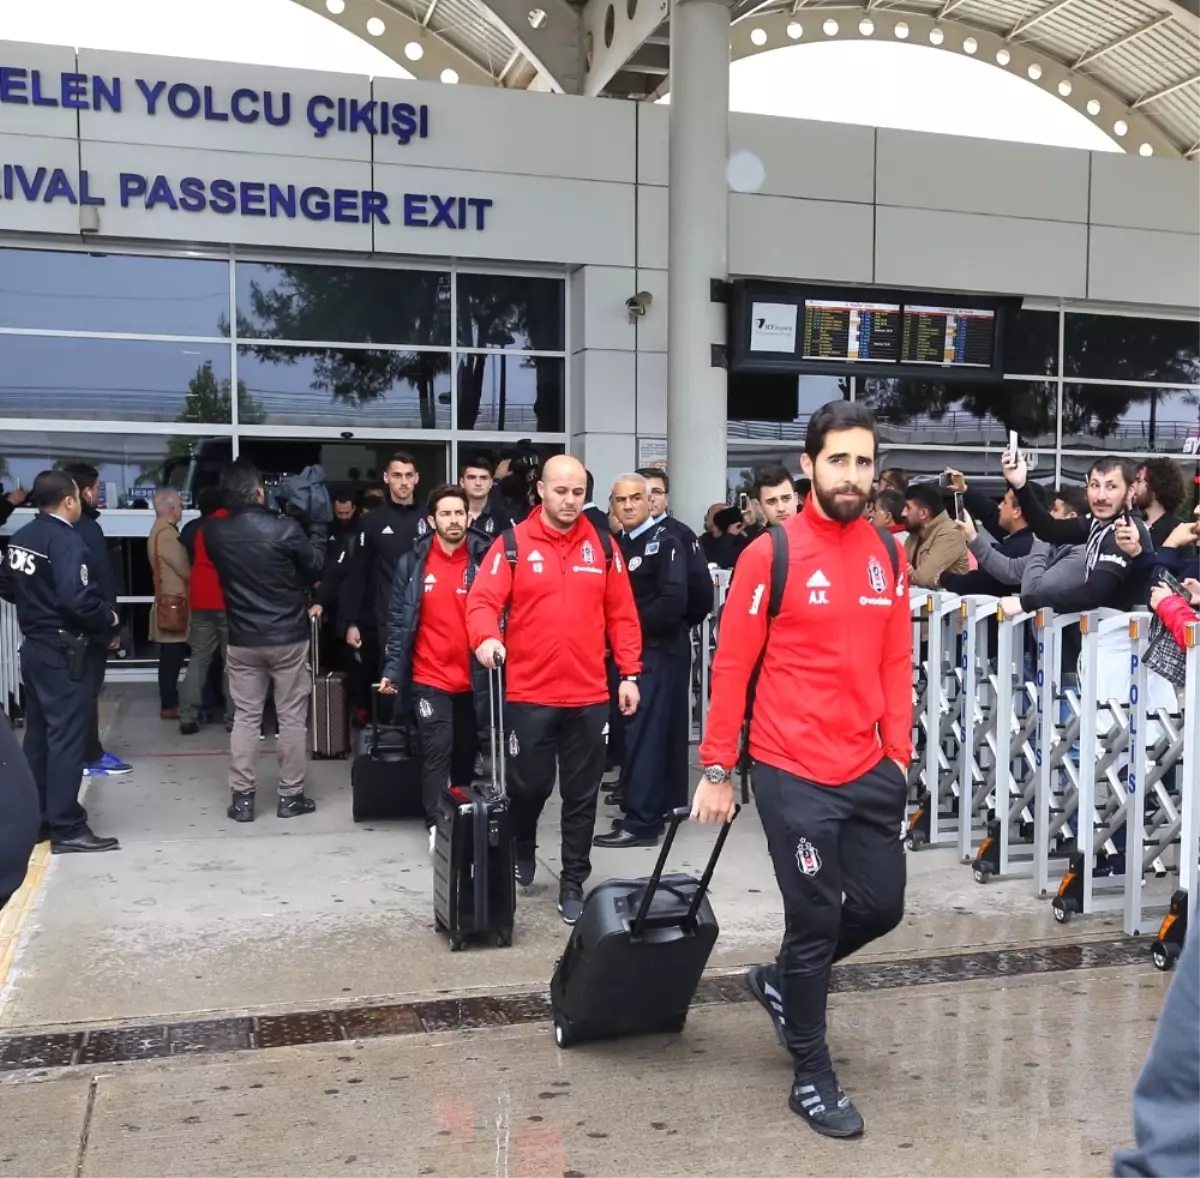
(564,595)
(830,735)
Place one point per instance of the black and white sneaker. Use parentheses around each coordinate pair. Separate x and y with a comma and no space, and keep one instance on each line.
(760,981)
(570,904)
(827,1109)
(525,870)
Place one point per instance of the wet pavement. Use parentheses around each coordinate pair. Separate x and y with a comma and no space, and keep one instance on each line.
(273,999)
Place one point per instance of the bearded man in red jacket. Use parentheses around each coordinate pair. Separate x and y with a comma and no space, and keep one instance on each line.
(826,622)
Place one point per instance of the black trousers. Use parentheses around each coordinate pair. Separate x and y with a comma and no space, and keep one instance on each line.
(655,771)
(56,726)
(447,726)
(826,842)
(541,739)
(170,663)
(20,809)
(97,665)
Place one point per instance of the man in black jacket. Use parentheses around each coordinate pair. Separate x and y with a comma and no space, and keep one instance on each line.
(267,566)
(427,662)
(97,763)
(385,536)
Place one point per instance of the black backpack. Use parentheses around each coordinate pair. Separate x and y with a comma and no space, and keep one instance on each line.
(509,537)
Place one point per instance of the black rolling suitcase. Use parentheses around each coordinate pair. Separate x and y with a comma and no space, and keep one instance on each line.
(385,778)
(637,954)
(474,886)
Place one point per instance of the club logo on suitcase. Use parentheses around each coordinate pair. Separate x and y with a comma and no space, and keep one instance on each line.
(807,858)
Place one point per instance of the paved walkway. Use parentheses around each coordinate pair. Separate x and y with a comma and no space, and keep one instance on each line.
(198,917)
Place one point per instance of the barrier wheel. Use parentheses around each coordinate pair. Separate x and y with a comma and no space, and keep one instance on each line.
(563,1033)
(1064,909)
(1164,955)
(982,872)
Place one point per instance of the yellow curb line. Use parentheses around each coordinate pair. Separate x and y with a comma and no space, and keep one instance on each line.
(16,911)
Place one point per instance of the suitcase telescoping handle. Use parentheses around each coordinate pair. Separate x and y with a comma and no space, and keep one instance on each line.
(496,726)
(675,820)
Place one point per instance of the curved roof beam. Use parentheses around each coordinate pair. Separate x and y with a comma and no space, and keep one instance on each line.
(550,51)
(1085,94)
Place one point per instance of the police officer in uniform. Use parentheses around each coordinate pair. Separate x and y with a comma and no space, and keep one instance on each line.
(60,607)
(655,775)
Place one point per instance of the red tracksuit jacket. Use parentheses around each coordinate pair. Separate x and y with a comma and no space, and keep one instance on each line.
(561,603)
(835,690)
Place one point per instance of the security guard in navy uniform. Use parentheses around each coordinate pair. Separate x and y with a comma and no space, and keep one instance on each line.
(60,606)
(655,772)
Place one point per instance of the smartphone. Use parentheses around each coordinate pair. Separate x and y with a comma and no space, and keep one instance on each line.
(959,513)
(943,481)
(1013,444)
(1173,584)
(743,502)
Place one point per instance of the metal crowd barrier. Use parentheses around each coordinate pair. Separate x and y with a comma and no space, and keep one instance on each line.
(1022,763)
(10,666)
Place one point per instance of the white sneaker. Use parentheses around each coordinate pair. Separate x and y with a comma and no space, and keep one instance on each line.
(432,838)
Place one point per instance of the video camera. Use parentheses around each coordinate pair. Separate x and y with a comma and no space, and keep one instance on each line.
(519,485)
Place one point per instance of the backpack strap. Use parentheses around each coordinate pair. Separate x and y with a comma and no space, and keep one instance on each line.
(779,570)
(606,542)
(889,542)
(509,537)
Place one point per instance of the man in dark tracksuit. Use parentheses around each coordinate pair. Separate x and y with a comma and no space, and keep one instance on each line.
(97,763)
(46,574)
(385,536)
(427,662)
(830,735)
(656,736)
(564,597)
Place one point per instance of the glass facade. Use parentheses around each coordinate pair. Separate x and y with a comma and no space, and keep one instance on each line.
(1077,384)
(211,357)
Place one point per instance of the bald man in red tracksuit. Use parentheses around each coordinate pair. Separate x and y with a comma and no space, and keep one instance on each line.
(566,589)
(830,730)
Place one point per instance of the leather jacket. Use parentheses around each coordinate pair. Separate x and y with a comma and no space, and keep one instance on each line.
(267,565)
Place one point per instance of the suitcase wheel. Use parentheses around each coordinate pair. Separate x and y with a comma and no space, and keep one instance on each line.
(564,1032)
(457,941)
(676,1026)
(504,938)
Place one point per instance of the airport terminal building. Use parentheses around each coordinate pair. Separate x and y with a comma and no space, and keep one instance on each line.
(200,260)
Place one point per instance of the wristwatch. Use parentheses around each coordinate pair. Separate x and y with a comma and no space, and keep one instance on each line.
(716,775)
(630,678)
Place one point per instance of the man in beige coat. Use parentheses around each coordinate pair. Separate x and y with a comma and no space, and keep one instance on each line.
(934,545)
(172,572)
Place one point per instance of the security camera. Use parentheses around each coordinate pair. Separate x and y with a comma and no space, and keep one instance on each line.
(347,434)
(638,304)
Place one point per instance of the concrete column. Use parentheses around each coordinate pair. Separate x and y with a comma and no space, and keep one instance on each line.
(698,252)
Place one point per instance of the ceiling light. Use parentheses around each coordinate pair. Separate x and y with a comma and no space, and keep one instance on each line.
(936,36)
(1065,87)
(795,31)
(1145,149)
(1034,71)
(1120,127)
(1093,107)
(1003,57)
(901,31)
(450,77)
(971,46)
(830,27)
(335,7)
(537,18)
(866,27)
(376,27)
(758,36)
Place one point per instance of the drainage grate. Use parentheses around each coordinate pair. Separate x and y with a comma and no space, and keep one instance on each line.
(117,1044)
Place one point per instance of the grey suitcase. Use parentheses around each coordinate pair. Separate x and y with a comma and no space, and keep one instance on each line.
(329,707)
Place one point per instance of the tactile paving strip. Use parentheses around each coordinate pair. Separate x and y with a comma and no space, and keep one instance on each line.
(119,1044)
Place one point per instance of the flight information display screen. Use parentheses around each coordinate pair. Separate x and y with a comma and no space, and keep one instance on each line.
(839,330)
(955,337)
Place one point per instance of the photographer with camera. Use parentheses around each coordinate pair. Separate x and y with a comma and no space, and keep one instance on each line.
(267,562)
(515,493)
